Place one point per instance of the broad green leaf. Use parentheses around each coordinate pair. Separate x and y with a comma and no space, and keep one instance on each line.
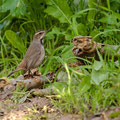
(20,9)
(67,52)
(97,65)
(50,36)
(16,7)
(109,19)
(69,36)
(55,31)
(116,15)
(9,5)
(84,85)
(99,76)
(82,29)
(59,9)
(15,41)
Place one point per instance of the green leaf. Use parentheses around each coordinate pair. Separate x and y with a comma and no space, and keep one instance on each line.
(82,29)
(9,5)
(97,65)
(94,32)
(68,36)
(59,9)
(67,52)
(109,19)
(99,76)
(99,73)
(16,7)
(55,31)
(91,14)
(15,41)
(84,85)
(20,9)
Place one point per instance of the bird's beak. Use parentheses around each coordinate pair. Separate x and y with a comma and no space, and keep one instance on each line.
(43,35)
(44,32)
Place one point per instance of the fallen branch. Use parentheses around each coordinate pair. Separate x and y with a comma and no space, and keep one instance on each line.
(29,83)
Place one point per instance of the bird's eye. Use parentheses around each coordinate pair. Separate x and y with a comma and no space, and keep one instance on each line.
(40,33)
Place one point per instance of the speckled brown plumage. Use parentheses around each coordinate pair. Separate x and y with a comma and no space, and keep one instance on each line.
(34,55)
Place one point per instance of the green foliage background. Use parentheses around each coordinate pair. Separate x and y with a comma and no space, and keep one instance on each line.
(19,19)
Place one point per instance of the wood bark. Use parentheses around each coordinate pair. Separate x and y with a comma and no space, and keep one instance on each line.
(86,48)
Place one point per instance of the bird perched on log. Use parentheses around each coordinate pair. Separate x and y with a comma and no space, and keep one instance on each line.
(34,55)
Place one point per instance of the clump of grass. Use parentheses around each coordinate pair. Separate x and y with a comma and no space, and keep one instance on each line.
(84,94)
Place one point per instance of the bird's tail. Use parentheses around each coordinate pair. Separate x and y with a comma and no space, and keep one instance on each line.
(14,71)
(11,73)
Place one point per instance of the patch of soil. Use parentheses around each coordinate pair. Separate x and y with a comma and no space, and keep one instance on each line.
(12,111)
(34,109)
(40,108)
(111,114)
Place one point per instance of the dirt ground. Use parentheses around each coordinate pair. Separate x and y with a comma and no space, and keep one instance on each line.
(41,108)
(34,109)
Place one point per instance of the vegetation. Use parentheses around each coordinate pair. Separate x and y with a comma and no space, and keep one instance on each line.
(97,86)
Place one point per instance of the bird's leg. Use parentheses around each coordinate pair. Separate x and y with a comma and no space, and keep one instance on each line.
(30,73)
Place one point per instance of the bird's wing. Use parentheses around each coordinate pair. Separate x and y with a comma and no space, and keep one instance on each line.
(33,61)
(32,55)
(33,49)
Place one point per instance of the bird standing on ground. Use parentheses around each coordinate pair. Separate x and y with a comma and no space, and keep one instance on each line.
(34,55)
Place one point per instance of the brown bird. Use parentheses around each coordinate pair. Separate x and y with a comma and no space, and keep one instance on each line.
(34,55)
